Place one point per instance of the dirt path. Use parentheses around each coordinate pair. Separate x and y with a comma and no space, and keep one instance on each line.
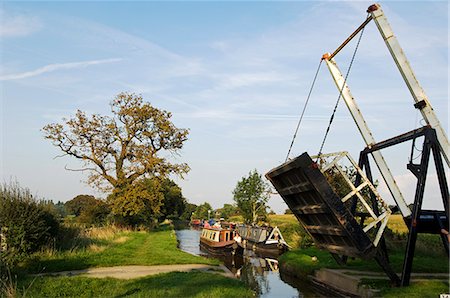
(129,272)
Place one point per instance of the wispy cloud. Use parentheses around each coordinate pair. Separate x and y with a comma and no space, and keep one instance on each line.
(55,67)
(18,25)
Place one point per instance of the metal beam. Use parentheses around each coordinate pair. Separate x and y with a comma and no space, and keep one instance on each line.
(410,135)
(367,136)
(351,37)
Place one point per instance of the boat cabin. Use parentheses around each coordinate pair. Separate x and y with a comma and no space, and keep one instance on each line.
(217,235)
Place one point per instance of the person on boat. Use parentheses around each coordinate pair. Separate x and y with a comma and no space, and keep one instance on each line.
(206,224)
(237,238)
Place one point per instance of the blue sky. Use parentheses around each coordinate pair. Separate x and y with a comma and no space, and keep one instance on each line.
(235,73)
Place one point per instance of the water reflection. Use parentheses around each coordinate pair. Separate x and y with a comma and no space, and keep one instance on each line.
(258,272)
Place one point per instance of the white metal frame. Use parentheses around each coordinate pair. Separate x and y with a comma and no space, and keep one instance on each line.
(271,239)
(367,136)
(410,79)
(335,161)
(416,91)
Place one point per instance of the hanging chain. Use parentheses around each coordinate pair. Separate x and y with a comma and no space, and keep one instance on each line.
(340,94)
(304,109)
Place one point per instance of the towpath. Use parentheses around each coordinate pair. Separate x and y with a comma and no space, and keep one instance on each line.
(129,272)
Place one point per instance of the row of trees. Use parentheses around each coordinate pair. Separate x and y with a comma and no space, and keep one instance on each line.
(88,210)
(250,196)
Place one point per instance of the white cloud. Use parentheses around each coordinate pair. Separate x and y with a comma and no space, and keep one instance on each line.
(55,67)
(18,25)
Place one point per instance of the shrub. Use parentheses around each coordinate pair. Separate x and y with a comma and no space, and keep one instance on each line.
(27,224)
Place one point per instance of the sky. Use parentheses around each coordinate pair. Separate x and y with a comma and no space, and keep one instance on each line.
(235,73)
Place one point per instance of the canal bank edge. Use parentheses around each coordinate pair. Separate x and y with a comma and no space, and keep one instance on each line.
(353,283)
(328,283)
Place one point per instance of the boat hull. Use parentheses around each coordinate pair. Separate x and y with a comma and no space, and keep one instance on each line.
(273,249)
(228,249)
(262,240)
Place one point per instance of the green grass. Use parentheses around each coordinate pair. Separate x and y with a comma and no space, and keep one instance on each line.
(174,284)
(301,260)
(112,248)
(419,289)
(138,248)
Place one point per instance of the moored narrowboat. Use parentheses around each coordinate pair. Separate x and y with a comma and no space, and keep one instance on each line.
(264,240)
(219,241)
(196,223)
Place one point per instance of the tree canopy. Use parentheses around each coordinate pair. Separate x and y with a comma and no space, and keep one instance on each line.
(120,150)
(202,211)
(227,210)
(251,195)
(79,204)
(87,209)
(174,204)
(189,211)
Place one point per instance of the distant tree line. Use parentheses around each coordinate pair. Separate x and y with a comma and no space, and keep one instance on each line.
(88,210)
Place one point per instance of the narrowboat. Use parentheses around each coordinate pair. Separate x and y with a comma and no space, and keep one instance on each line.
(219,241)
(263,240)
(196,223)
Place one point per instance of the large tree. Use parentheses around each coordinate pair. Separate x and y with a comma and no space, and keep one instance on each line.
(251,195)
(120,150)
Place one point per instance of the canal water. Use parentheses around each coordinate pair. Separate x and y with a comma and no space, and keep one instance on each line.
(258,272)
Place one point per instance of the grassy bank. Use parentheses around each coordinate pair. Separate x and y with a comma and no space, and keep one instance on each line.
(301,263)
(175,284)
(115,249)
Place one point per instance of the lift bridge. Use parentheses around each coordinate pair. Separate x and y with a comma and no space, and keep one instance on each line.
(333,196)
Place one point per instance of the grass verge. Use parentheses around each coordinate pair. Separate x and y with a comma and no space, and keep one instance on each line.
(419,289)
(123,248)
(174,284)
(301,263)
(302,260)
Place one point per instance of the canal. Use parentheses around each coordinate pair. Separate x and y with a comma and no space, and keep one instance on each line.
(258,272)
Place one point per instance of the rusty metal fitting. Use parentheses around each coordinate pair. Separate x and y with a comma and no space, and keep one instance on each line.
(326,56)
(314,165)
(372,8)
